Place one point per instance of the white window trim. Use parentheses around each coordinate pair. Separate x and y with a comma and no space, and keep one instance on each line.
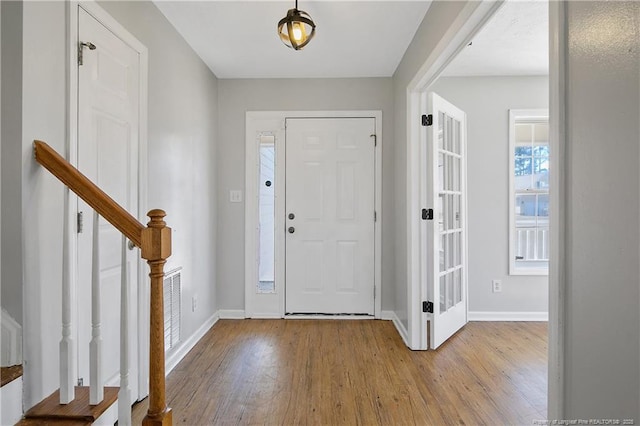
(520,114)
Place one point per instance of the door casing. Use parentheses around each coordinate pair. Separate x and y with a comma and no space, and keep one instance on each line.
(71,154)
(273,123)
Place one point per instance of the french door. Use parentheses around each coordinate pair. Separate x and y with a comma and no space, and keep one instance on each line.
(444,230)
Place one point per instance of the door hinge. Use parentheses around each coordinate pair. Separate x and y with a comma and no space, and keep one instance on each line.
(375,216)
(427,120)
(427,307)
(81,46)
(80,381)
(374,292)
(79,223)
(375,139)
(427,214)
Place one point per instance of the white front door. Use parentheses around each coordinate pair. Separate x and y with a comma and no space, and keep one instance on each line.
(108,146)
(444,230)
(329,223)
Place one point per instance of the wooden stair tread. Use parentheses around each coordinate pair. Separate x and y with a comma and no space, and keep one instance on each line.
(9,374)
(78,409)
(53,422)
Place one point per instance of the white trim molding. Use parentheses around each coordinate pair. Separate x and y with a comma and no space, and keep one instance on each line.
(176,356)
(231,314)
(402,331)
(557,206)
(508,316)
(11,340)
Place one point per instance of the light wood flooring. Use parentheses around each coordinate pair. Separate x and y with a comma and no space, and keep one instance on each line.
(308,372)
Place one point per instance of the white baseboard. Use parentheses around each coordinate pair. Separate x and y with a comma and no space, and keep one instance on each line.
(328,317)
(402,331)
(265,316)
(508,316)
(11,341)
(109,417)
(231,314)
(387,315)
(175,357)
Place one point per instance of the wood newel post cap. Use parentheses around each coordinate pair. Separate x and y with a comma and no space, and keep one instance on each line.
(156,237)
(157,216)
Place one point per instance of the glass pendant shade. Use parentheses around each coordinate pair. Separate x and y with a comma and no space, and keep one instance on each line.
(296,29)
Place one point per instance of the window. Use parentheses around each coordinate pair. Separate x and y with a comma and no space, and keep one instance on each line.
(529,192)
(266,206)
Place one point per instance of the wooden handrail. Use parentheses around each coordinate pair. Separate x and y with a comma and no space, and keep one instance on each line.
(155,244)
(89,192)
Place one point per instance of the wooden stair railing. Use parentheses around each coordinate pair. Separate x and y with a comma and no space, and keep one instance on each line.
(155,244)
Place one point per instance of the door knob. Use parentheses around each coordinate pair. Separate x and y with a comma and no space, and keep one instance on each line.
(291,229)
(292,216)
(131,245)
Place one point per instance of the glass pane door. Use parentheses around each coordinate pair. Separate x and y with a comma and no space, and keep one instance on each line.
(450,213)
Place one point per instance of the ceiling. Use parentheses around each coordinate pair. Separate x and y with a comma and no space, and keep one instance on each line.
(238,39)
(514,42)
(360,38)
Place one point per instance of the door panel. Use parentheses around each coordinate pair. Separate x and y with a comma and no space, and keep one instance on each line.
(444,263)
(108,128)
(330,187)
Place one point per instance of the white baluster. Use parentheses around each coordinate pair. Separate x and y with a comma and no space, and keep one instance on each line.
(96,390)
(124,394)
(67,345)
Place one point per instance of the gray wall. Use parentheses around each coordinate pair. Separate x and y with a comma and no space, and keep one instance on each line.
(182,137)
(486,101)
(602,331)
(239,96)
(434,25)
(11,178)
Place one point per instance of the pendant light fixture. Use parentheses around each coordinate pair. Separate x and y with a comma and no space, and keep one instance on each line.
(296,29)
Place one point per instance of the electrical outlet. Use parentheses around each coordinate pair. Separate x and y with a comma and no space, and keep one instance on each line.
(235,196)
(496,286)
(194,303)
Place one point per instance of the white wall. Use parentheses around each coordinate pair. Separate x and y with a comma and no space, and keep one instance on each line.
(182,133)
(434,25)
(43,117)
(11,100)
(241,95)
(602,306)
(487,101)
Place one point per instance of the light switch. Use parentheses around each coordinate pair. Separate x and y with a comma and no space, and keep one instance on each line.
(235,196)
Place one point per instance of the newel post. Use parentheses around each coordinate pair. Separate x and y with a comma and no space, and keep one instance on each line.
(156,248)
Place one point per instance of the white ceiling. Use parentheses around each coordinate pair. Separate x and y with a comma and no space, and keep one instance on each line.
(238,39)
(360,38)
(514,42)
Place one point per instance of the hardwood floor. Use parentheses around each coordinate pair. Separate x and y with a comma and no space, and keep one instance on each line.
(308,372)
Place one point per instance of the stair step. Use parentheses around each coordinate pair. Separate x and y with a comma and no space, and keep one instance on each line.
(52,422)
(9,374)
(50,409)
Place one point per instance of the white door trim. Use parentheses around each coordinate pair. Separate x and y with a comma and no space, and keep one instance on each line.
(470,20)
(273,122)
(71,155)
(557,207)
